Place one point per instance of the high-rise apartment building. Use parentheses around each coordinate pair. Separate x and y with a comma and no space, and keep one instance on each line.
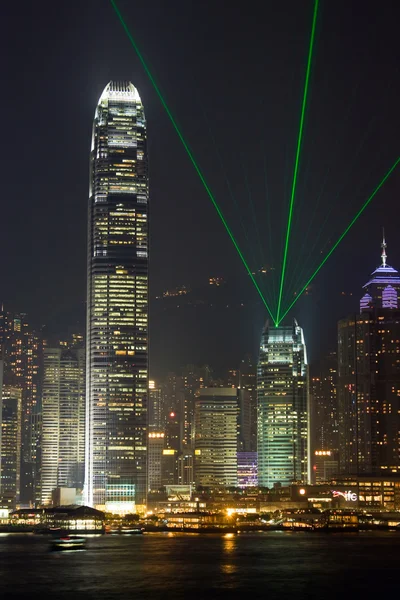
(155,453)
(282,390)
(193,379)
(369,378)
(10,444)
(155,407)
(248,382)
(20,348)
(63,420)
(244,421)
(117,304)
(323,404)
(216,437)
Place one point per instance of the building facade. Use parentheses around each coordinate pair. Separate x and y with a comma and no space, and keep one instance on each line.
(10,444)
(63,420)
(156,447)
(155,407)
(248,382)
(324,417)
(282,395)
(20,349)
(369,378)
(117,303)
(247,469)
(216,437)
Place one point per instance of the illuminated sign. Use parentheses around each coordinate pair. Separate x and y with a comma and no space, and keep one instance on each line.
(168,452)
(348,496)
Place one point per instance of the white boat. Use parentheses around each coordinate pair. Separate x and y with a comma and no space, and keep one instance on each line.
(68,542)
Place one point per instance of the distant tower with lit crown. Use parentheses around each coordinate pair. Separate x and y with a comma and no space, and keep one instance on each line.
(369,378)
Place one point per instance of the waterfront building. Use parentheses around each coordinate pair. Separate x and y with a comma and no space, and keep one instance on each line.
(216,437)
(369,378)
(363,492)
(76,519)
(117,304)
(63,420)
(10,444)
(282,393)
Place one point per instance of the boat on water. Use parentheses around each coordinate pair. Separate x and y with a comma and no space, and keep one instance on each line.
(68,542)
(132,530)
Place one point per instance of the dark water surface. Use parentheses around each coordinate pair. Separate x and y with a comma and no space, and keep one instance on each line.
(247,566)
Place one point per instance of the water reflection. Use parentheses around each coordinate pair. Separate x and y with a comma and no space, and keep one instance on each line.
(229,542)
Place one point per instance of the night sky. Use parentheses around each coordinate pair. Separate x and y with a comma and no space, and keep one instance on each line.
(232,74)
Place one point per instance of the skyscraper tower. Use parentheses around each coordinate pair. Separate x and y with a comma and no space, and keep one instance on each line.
(369,378)
(282,395)
(117,304)
(63,420)
(216,436)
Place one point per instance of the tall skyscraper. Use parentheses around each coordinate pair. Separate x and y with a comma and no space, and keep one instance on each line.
(117,304)
(369,378)
(63,420)
(282,394)
(216,437)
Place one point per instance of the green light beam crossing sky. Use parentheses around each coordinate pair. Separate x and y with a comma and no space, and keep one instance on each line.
(297,159)
(190,155)
(336,244)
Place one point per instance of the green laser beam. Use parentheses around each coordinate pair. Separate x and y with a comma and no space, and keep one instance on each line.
(332,204)
(297,159)
(271,261)
(232,195)
(336,244)
(328,213)
(190,155)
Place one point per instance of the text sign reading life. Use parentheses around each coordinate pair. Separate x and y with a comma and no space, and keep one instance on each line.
(348,496)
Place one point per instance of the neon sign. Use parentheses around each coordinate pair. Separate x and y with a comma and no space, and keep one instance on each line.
(348,496)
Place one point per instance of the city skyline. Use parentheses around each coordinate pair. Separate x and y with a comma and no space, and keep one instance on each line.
(117,332)
(199,381)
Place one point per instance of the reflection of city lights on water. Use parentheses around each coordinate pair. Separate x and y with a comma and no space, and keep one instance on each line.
(228,569)
(229,542)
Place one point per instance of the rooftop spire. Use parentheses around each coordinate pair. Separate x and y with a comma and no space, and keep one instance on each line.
(383,246)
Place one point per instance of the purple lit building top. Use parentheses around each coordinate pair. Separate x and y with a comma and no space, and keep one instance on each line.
(383,288)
